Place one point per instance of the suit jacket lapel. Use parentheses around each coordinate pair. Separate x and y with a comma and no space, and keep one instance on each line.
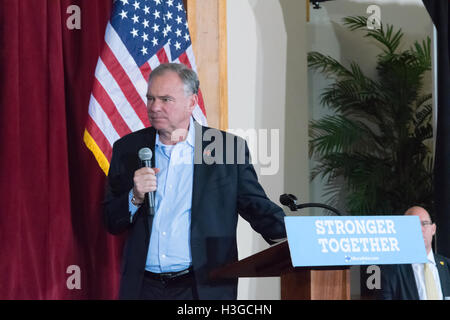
(410,281)
(202,170)
(150,141)
(199,169)
(443,275)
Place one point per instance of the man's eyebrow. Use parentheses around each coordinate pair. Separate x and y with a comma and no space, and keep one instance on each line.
(160,97)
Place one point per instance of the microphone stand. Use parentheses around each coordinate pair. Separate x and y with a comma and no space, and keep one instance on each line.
(290,201)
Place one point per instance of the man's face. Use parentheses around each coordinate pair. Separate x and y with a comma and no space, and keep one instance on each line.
(428,228)
(169,107)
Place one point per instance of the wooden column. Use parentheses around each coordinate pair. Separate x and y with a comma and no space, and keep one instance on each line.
(208,29)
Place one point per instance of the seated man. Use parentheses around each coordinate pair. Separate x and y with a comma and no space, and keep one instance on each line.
(418,281)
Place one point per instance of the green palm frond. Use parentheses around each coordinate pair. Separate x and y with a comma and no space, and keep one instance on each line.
(422,99)
(424,114)
(355,22)
(424,133)
(385,37)
(423,53)
(327,65)
(351,97)
(339,134)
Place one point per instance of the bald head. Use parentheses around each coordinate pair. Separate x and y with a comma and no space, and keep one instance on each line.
(428,227)
(418,211)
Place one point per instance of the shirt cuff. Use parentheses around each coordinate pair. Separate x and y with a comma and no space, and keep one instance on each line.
(131,207)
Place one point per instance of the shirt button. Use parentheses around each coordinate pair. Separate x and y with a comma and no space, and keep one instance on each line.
(170,187)
(163,255)
(164,233)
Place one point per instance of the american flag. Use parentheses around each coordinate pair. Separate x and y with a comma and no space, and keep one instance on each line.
(140,35)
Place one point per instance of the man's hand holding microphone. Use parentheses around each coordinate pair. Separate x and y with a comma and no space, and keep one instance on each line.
(144,182)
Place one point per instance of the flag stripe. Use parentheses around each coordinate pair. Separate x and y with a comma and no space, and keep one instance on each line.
(102,121)
(102,144)
(95,149)
(190,55)
(153,62)
(122,55)
(109,108)
(127,87)
(145,70)
(201,105)
(120,101)
(183,58)
(162,56)
(101,141)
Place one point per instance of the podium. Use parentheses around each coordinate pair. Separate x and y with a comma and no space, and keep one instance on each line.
(314,264)
(297,283)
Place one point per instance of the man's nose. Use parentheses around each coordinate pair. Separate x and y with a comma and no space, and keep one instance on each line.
(153,105)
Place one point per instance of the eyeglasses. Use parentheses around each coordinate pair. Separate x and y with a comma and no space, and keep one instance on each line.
(426,223)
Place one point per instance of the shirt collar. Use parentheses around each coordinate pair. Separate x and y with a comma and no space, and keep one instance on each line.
(190,139)
(191,134)
(430,257)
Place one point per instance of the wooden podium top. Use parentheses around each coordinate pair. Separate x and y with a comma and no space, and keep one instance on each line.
(268,263)
(271,262)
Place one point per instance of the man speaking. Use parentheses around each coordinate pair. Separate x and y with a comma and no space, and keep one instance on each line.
(189,229)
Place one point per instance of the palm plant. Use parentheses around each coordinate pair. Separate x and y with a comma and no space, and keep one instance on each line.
(378,141)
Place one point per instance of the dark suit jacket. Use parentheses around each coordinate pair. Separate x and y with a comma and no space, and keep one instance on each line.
(398,282)
(220,191)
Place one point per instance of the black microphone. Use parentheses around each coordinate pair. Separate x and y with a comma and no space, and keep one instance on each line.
(290,201)
(145,154)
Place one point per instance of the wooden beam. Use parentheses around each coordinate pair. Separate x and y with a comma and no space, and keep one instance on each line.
(208,29)
(223,65)
(308,6)
(191,9)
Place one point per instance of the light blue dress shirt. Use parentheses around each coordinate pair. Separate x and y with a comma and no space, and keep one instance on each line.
(169,249)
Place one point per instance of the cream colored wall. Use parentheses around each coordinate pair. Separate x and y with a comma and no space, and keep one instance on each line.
(267,90)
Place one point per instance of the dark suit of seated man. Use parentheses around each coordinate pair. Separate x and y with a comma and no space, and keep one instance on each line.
(429,281)
(202,179)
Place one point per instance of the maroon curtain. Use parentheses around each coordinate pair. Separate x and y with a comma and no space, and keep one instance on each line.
(51,187)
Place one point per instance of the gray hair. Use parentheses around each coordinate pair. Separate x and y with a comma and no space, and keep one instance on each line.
(188,76)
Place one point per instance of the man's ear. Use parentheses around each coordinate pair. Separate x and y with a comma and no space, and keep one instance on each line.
(433,229)
(193,102)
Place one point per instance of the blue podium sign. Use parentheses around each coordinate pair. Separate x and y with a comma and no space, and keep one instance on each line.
(355,240)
